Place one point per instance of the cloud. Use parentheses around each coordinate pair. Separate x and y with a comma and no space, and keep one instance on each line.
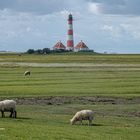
(41,6)
(21,31)
(95,8)
(121,7)
(116,7)
(133,30)
(33,6)
(125,28)
(115,32)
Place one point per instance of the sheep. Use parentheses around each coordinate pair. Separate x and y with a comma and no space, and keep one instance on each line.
(82,115)
(8,106)
(27,73)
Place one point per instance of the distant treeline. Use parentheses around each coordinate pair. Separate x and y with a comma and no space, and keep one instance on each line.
(49,51)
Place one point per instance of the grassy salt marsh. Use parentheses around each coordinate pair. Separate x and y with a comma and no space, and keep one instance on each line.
(112,122)
(106,76)
(70,81)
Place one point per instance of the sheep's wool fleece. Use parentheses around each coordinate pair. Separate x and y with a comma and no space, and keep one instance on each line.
(6,104)
(84,113)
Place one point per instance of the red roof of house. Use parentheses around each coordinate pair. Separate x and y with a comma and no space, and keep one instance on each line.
(81,45)
(59,45)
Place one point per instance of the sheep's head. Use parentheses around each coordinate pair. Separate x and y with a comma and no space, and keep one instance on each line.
(72,121)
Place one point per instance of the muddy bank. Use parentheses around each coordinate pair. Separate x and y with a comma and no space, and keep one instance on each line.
(60,100)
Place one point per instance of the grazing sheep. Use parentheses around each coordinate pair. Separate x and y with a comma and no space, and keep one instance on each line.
(82,115)
(8,106)
(27,73)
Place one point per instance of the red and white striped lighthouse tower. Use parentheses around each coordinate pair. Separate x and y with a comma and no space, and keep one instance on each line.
(70,42)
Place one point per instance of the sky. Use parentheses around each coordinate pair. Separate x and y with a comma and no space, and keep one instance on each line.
(111,26)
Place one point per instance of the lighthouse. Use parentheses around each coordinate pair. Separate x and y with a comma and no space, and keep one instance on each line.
(70,42)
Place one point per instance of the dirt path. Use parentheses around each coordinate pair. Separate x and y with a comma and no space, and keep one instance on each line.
(59,100)
(66,64)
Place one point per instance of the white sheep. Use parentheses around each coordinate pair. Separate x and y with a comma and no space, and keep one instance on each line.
(82,115)
(27,73)
(8,106)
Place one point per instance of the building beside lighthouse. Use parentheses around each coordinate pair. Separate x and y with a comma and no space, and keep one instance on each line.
(59,46)
(81,46)
(70,41)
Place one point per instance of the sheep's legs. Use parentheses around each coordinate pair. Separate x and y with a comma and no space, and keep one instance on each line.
(11,114)
(15,114)
(2,112)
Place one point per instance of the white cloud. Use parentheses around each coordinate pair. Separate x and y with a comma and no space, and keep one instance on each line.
(115,32)
(64,12)
(108,28)
(94,8)
(117,7)
(132,29)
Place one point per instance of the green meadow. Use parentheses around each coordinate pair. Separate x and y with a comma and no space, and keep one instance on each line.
(112,122)
(73,58)
(91,75)
(71,81)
